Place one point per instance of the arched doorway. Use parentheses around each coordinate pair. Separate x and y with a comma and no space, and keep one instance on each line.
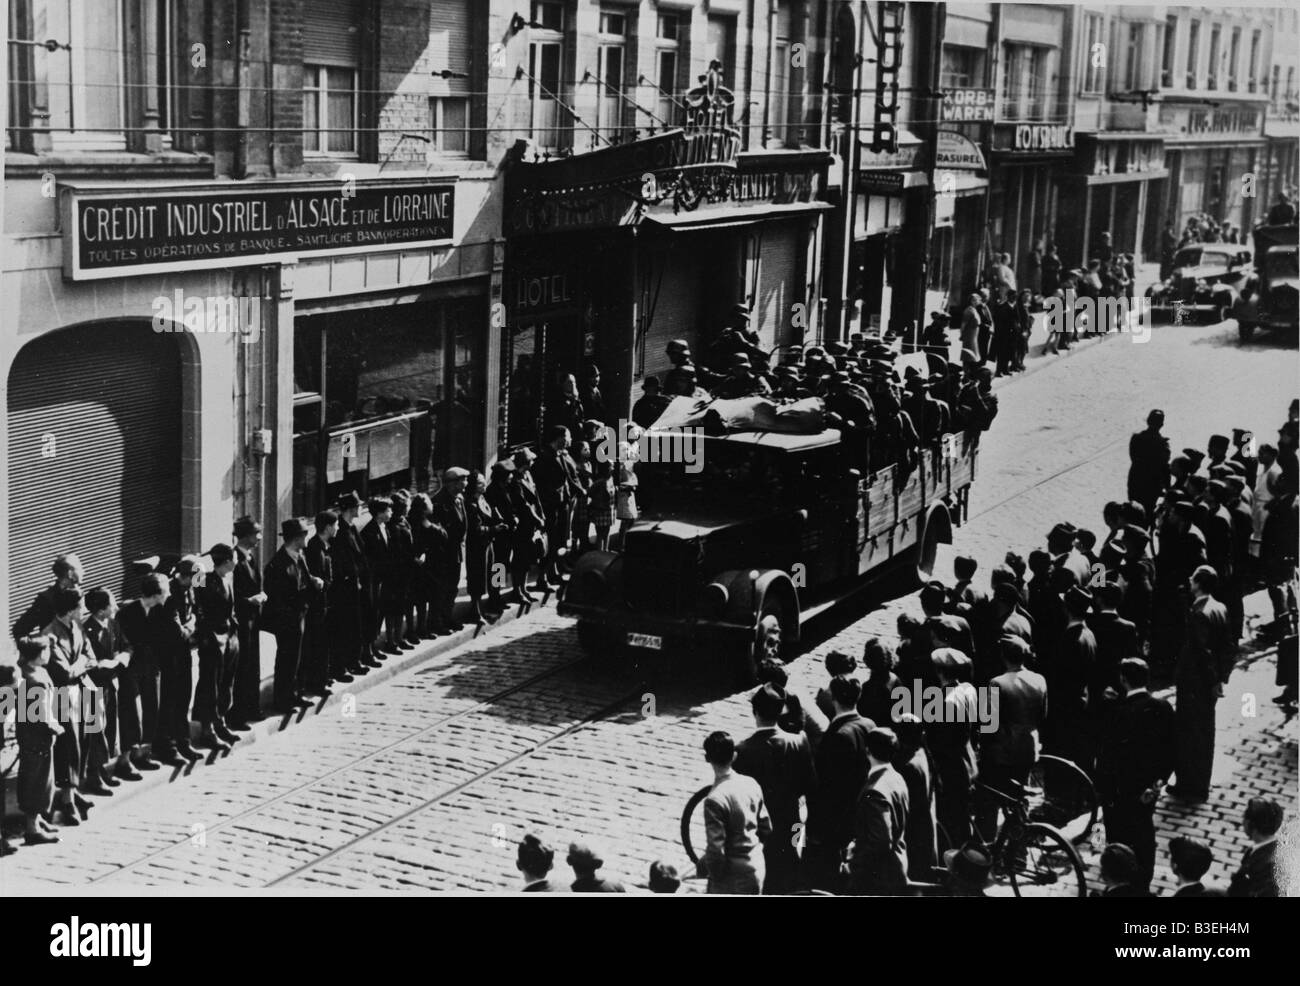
(95,432)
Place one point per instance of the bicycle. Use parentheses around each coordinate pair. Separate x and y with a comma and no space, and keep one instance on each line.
(1030,858)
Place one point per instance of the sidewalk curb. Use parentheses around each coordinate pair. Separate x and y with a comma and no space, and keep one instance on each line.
(273,725)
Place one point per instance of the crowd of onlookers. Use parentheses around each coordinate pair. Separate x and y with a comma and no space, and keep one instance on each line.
(1072,638)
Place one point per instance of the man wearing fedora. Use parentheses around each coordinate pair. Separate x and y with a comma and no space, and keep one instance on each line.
(289,591)
(350,580)
(449,513)
(218,643)
(1069,669)
(246,581)
(970,870)
(177,666)
(528,545)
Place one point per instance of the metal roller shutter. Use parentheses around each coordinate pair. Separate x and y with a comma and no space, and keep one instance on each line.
(106,402)
(331,33)
(449,44)
(779,273)
(678,308)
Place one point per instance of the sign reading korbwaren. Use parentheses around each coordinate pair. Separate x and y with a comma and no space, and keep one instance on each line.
(112,232)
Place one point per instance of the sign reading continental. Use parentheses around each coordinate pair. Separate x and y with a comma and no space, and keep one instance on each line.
(953,150)
(110,232)
(967,105)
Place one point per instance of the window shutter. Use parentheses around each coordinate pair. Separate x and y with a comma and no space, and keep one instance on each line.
(331,34)
(449,45)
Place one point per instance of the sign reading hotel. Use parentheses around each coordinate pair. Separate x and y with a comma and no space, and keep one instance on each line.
(966,105)
(111,232)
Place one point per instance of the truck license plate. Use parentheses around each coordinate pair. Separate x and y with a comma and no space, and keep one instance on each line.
(645,640)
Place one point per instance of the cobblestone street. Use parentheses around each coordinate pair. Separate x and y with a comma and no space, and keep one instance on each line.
(427,781)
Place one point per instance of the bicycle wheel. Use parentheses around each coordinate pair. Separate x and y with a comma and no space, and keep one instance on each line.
(688,816)
(1041,862)
(1061,794)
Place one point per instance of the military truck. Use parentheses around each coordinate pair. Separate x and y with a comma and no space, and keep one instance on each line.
(1269,300)
(770,531)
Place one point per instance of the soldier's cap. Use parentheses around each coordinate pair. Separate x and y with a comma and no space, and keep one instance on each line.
(524,457)
(970,864)
(857,336)
(1109,594)
(292,528)
(1239,435)
(739,359)
(949,658)
(1196,455)
(502,465)
(687,369)
(837,348)
(1219,471)
(1220,488)
(1235,482)
(1181,460)
(677,345)
(1155,416)
(349,501)
(879,366)
(246,526)
(1218,441)
(785,370)
(841,376)
(220,553)
(940,317)
(455,472)
(1235,468)
(534,855)
(1062,530)
(188,565)
(583,857)
(1078,597)
(811,351)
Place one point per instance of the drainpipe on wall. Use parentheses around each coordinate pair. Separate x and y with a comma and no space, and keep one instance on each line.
(749,70)
(243,110)
(771,60)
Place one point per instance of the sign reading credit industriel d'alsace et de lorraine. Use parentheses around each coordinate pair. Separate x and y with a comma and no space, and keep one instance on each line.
(118,232)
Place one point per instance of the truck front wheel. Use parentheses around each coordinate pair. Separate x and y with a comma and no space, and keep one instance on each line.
(772,637)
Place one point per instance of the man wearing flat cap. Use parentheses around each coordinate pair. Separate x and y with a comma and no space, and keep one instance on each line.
(1204,665)
(1148,453)
(782,763)
(449,513)
(1069,669)
(289,591)
(586,863)
(878,860)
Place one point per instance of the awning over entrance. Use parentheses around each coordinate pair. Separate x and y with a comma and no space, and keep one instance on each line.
(734,216)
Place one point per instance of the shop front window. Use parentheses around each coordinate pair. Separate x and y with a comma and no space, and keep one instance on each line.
(402,399)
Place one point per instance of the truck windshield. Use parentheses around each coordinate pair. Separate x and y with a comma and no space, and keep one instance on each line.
(1196,257)
(728,474)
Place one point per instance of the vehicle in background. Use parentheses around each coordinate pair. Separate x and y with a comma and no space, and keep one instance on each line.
(1269,300)
(1207,282)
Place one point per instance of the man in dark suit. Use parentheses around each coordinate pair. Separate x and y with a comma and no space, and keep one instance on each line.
(878,864)
(350,577)
(289,590)
(1148,453)
(841,768)
(1068,670)
(68,574)
(913,765)
(315,671)
(1116,638)
(379,556)
(246,580)
(498,497)
(1008,754)
(218,639)
(1138,747)
(1257,876)
(141,621)
(449,513)
(782,763)
(176,661)
(1203,668)
(556,476)
(1189,860)
(112,656)
(530,523)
